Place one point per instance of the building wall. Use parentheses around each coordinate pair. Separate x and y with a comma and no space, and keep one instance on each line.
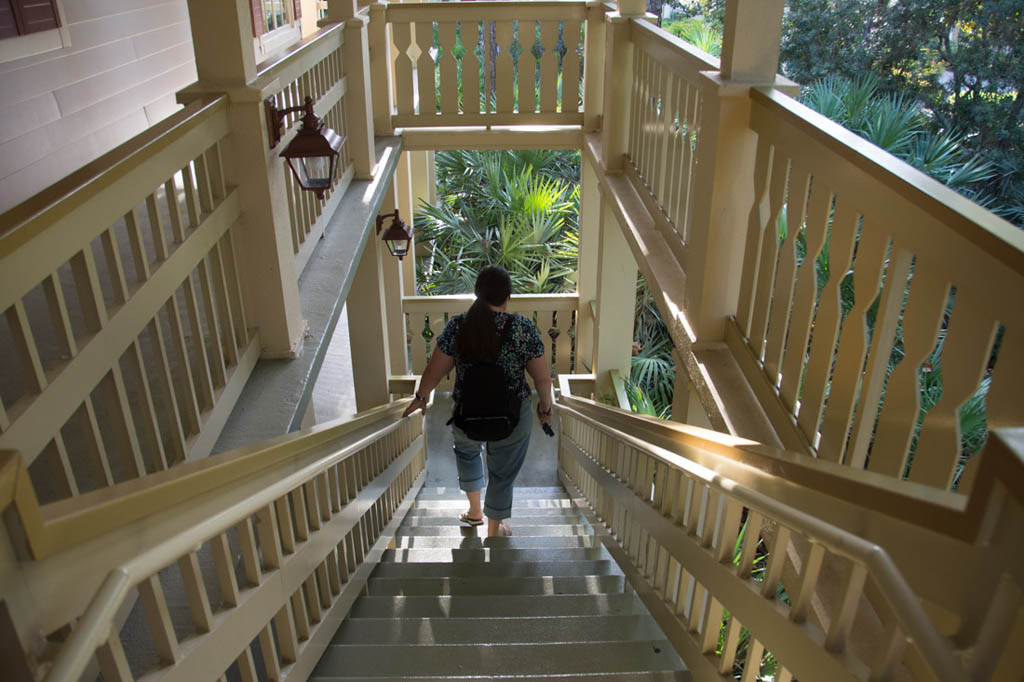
(62,109)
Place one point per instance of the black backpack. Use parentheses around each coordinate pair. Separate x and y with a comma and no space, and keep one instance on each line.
(486,409)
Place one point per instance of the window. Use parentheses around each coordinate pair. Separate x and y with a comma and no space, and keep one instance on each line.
(275,24)
(29,27)
(275,14)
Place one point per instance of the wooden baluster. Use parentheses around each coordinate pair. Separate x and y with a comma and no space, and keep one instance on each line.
(158,618)
(666,122)
(674,177)
(225,569)
(729,529)
(697,607)
(527,67)
(470,33)
(334,483)
(563,343)
(57,307)
(323,586)
(782,299)
(214,342)
(284,623)
(449,68)
(504,67)
(752,666)
(323,497)
(247,666)
(776,562)
(846,610)
(922,319)
(250,553)
(806,292)
(65,474)
(333,575)
(195,592)
(205,384)
(156,227)
(302,621)
(969,338)
(808,582)
(312,599)
(751,537)
(693,104)
(826,323)
(122,421)
(298,234)
(229,341)
(234,287)
(113,663)
(636,97)
(425,68)
(271,663)
(651,118)
(889,655)
(769,255)
(711,513)
(94,442)
(215,162)
(698,499)
(849,362)
(712,625)
(171,403)
(191,198)
(270,537)
(138,246)
(150,430)
(299,514)
(174,209)
(571,74)
(26,347)
(729,644)
(284,525)
(115,270)
(549,67)
(183,373)
(401,34)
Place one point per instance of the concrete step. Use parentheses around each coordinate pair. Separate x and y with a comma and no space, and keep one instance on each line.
(521,493)
(501,606)
(524,520)
(497,630)
(596,677)
(588,584)
(563,530)
(460,504)
(515,569)
(479,541)
(486,555)
(396,661)
(453,512)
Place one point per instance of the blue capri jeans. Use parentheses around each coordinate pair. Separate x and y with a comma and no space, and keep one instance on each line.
(504,460)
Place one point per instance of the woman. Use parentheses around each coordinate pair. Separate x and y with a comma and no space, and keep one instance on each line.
(481,336)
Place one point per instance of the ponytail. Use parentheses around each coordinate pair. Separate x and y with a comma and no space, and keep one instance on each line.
(478,339)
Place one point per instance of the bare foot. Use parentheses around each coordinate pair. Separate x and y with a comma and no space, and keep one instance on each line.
(498,529)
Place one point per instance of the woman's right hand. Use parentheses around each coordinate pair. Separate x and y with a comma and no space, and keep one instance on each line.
(544,413)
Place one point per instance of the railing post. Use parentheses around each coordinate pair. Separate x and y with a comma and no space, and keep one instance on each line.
(392,275)
(593,66)
(359,121)
(225,61)
(618,75)
(380,68)
(406,208)
(368,328)
(616,298)
(587,277)
(723,189)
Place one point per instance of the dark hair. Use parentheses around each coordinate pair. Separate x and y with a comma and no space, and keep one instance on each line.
(478,339)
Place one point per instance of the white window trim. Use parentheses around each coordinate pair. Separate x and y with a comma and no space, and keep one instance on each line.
(273,41)
(37,43)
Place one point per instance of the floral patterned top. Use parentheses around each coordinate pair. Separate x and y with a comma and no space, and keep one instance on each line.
(523,344)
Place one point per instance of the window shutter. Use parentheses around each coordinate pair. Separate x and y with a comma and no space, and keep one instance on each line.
(257,17)
(8,23)
(298,9)
(33,16)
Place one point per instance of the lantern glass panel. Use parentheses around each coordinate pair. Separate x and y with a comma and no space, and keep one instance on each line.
(398,247)
(314,172)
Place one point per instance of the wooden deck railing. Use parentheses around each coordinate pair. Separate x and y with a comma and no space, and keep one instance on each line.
(461,64)
(312,68)
(309,514)
(554,315)
(126,340)
(862,274)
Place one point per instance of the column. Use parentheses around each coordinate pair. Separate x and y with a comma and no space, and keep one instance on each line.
(723,190)
(358,97)
(222,39)
(403,188)
(586,279)
(593,66)
(367,328)
(616,300)
(392,274)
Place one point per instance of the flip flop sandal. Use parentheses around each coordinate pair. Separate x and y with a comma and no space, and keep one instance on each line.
(466,518)
(504,531)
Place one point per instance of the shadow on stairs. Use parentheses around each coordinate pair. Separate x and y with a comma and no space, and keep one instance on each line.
(447,603)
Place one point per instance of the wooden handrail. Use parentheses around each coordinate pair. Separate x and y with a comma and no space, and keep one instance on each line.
(64,524)
(29,218)
(518,303)
(488,10)
(673,53)
(998,238)
(906,605)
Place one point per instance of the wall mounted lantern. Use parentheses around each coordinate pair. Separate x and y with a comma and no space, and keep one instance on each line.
(313,152)
(398,236)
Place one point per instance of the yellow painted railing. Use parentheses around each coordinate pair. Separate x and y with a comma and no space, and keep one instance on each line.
(554,315)
(483,68)
(309,514)
(929,270)
(126,340)
(748,552)
(313,68)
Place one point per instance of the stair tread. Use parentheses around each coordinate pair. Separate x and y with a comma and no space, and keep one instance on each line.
(488,555)
(426,631)
(589,584)
(510,569)
(479,541)
(362,660)
(454,511)
(575,518)
(455,503)
(653,676)
(526,531)
(496,606)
